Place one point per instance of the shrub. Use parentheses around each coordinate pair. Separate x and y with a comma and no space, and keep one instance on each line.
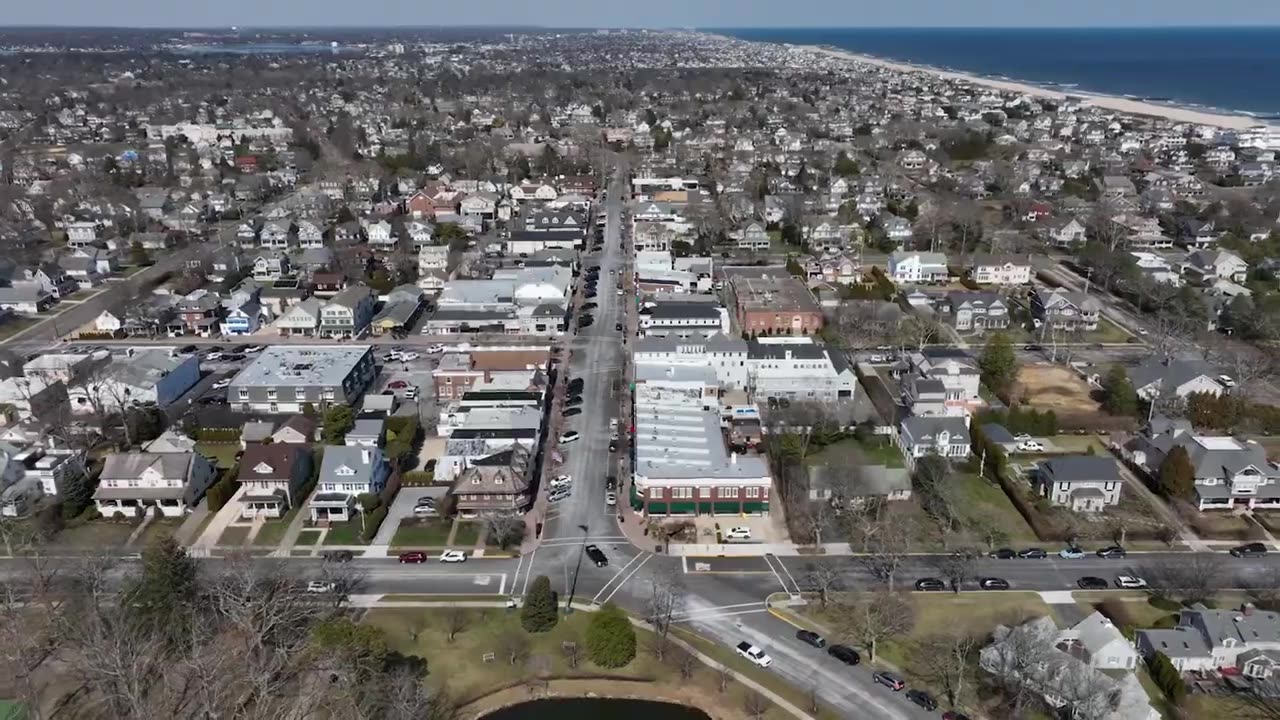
(539,611)
(220,492)
(611,641)
(218,435)
(1167,678)
(417,478)
(368,501)
(1162,603)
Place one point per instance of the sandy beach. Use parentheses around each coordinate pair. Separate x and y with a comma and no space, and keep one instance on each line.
(1110,102)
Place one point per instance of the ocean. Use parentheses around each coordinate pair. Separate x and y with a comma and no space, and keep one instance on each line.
(1233,70)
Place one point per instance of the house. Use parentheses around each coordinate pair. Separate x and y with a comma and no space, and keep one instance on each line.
(1000,269)
(379,235)
(285,378)
(1067,233)
(272,477)
(842,486)
(1066,310)
(834,268)
(366,432)
(754,238)
(1084,483)
(1174,377)
(297,430)
(347,314)
(137,376)
(275,234)
(976,311)
(1230,473)
(906,266)
(27,298)
(500,482)
(1241,640)
(1087,670)
(947,436)
(52,279)
(271,266)
(134,483)
(345,474)
(1206,266)
(302,318)
(245,319)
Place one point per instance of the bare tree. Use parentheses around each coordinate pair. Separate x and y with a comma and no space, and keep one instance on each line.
(890,548)
(860,324)
(917,332)
(724,676)
(956,568)
(507,529)
(755,704)
(824,578)
(1260,701)
(456,620)
(1192,579)
(947,662)
(873,617)
(513,644)
(1018,659)
(666,600)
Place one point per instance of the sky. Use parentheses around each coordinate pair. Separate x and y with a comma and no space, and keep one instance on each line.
(649,13)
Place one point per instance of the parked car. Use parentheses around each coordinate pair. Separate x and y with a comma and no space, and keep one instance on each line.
(1032,554)
(1071,553)
(413,556)
(453,556)
(221,384)
(1003,554)
(930,584)
(993,583)
(425,511)
(559,494)
(576,385)
(889,680)
(737,533)
(317,586)
(571,412)
(754,654)
(573,400)
(923,699)
(1090,582)
(1031,446)
(617,326)
(397,385)
(597,556)
(1252,549)
(1111,551)
(561,481)
(611,499)
(812,638)
(844,654)
(571,436)
(1021,437)
(613,446)
(435,349)
(1129,582)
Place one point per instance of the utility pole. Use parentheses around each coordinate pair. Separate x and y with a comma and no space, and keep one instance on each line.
(568,606)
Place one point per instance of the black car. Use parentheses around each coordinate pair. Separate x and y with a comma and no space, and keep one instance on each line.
(993,583)
(611,483)
(930,584)
(187,349)
(1089,582)
(573,400)
(1111,551)
(613,446)
(923,699)
(811,637)
(1249,550)
(570,412)
(585,320)
(1033,554)
(589,295)
(1031,348)
(575,386)
(617,326)
(844,654)
(589,306)
(1003,554)
(597,556)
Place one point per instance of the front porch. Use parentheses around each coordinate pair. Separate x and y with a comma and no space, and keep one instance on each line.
(331,507)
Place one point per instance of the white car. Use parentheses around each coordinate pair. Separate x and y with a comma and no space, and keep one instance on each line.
(1022,437)
(738,533)
(225,382)
(252,349)
(213,356)
(611,499)
(558,495)
(561,481)
(569,437)
(620,292)
(316,586)
(435,349)
(1227,381)
(1130,582)
(754,654)
(1030,446)
(453,556)
(406,357)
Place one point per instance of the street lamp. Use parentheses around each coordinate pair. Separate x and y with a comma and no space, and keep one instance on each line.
(568,606)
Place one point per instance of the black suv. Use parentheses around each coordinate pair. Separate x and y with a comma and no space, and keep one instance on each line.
(1033,553)
(812,638)
(1003,554)
(597,556)
(1249,550)
(844,654)
(923,699)
(1090,582)
(930,584)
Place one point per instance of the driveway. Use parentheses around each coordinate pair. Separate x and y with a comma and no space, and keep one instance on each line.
(401,508)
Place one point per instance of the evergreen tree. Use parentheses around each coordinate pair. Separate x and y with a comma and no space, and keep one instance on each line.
(998,363)
(611,641)
(539,611)
(1167,677)
(1177,477)
(168,586)
(1119,397)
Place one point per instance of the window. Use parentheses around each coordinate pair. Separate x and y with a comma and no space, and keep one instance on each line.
(655,493)
(271,393)
(704,492)
(244,393)
(753,492)
(681,493)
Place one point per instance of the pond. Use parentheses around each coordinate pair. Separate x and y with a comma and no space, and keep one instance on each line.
(596,708)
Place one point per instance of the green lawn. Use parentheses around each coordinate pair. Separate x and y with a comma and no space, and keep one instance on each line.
(234,535)
(272,531)
(347,533)
(1107,332)
(156,529)
(100,533)
(222,454)
(309,537)
(985,504)
(851,451)
(423,533)
(15,326)
(468,533)
(1079,444)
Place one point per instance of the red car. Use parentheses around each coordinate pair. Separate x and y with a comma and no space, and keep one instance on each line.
(413,557)
(398,385)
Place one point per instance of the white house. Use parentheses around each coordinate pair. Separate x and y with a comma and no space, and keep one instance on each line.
(1000,269)
(169,483)
(917,267)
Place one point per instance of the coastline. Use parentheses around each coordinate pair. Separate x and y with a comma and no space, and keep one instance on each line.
(1109,102)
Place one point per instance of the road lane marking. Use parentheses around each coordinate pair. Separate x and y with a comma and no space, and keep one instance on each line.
(527,572)
(634,570)
(775,574)
(616,575)
(516,578)
(783,565)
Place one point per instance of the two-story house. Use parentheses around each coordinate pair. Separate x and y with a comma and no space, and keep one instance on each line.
(1205,266)
(908,266)
(500,482)
(976,311)
(346,473)
(135,483)
(1230,473)
(271,265)
(245,319)
(1000,269)
(946,436)
(1066,310)
(275,234)
(1084,483)
(347,314)
(1243,640)
(272,476)
(754,237)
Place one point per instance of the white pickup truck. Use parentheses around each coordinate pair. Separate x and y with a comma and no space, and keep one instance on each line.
(754,654)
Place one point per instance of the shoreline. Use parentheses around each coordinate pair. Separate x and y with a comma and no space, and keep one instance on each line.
(1115,103)
(592,689)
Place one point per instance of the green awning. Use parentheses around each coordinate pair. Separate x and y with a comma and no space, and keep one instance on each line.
(704,508)
(684,508)
(726,508)
(658,508)
(755,507)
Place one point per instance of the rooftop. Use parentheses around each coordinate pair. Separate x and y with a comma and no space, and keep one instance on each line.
(310,365)
(676,439)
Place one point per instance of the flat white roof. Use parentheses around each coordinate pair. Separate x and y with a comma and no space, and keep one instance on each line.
(1219,442)
(301,365)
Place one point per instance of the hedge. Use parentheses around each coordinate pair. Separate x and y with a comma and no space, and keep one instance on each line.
(218,435)
(418,478)
(220,492)
(372,521)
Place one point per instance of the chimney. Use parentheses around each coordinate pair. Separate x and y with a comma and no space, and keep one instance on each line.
(1247,609)
(365,456)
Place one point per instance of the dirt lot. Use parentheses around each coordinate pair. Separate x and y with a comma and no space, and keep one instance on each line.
(1053,387)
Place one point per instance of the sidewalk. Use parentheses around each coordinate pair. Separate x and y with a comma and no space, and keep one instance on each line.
(291,533)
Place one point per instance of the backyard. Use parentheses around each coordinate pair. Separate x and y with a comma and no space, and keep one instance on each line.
(1054,387)
(854,451)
